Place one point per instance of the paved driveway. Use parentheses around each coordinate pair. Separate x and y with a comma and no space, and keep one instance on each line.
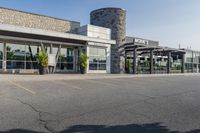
(100,103)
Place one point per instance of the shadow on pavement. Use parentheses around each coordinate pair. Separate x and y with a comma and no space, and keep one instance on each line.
(132,128)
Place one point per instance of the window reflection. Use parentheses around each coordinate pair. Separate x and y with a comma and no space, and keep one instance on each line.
(21,56)
(66,59)
(97,58)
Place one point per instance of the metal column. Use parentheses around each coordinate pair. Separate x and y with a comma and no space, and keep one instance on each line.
(169,62)
(151,62)
(76,59)
(183,63)
(42,47)
(4,57)
(192,61)
(135,61)
(126,71)
(51,48)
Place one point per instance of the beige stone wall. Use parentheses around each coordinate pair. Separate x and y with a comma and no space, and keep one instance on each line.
(19,18)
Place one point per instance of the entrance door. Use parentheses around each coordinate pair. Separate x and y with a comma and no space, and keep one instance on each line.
(66,60)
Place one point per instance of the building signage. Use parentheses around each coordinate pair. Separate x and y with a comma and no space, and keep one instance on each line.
(141,41)
(52,59)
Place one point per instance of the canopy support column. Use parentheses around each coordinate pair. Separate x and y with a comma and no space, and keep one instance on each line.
(183,63)
(51,48)
(151,62)
(135,61)
(192,61)
(169,62)
(4,56)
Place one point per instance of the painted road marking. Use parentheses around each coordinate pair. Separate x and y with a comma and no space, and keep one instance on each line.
(69,85)
(22,87)
(103,83)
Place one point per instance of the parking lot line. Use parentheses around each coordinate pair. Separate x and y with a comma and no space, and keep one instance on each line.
(69,85)
(22,87)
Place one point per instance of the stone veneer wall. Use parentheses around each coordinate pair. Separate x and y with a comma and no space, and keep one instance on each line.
(115,19)
(20,18)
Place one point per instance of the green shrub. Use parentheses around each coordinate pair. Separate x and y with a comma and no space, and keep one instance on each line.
(83,60)
(42,59)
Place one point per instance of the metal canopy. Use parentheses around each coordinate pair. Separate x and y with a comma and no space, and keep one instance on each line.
(129,47)
(134,48)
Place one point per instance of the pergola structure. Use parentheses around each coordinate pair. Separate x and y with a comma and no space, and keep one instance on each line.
(153,50)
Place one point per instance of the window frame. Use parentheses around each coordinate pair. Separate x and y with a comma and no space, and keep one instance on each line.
(99,58)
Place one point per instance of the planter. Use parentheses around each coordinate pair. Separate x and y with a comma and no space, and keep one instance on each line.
(83,70)
(128,71)
(43,71)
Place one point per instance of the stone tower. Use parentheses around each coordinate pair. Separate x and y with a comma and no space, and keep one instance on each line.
(115,19)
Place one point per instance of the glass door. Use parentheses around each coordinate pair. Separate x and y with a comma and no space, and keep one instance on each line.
(66,60)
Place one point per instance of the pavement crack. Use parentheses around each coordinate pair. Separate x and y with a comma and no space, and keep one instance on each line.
(105,108)
(40,119)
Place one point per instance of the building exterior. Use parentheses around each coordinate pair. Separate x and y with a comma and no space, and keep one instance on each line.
(23,35)
(109,50)
(192,61)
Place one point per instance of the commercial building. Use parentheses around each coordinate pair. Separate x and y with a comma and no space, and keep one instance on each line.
(109,50)
(140,55)
(23,35)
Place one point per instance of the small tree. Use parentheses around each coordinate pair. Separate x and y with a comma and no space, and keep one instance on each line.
(42,60)
(83,62)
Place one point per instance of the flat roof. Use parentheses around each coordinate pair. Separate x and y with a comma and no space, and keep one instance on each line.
(40,32)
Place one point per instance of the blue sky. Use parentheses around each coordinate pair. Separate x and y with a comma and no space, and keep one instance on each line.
(172,22)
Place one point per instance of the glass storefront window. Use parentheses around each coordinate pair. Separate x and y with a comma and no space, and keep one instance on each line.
(66,59)
(30,56)
(21,56)
(1,55)
(97,58)
(15,56)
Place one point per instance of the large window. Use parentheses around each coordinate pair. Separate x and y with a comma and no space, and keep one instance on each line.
(21,56)
(1,55)
(30,57)
(66,59)
(15,56)
(97,58)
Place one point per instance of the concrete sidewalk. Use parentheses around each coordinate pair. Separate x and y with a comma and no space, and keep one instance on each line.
(6,77)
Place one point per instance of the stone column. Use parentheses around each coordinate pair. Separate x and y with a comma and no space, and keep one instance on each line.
(135,61)
(169,62)
(151,62)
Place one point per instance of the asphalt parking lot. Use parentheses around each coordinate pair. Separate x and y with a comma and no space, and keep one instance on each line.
(100,103)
